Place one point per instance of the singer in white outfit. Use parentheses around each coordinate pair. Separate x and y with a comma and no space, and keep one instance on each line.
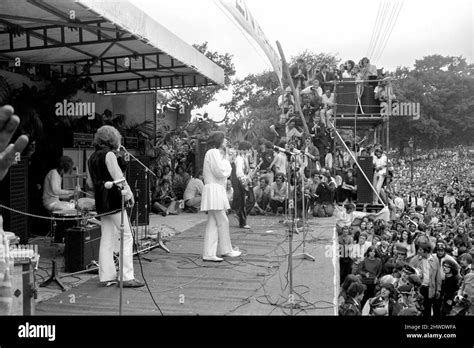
(104,168)
(216,170)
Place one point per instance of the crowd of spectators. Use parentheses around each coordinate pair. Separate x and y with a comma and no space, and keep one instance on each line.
(177,184)
(417,261)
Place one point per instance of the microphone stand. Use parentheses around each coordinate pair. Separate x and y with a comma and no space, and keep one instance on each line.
(304,255)
(292,204)
(159,243)
(122,232)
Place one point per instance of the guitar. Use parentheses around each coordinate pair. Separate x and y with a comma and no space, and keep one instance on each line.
(247,180)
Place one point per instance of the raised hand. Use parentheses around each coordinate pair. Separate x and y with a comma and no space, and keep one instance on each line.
(8,125)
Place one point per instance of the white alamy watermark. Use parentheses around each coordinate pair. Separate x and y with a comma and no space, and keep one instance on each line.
(405,109)
(37,331)
(75,109)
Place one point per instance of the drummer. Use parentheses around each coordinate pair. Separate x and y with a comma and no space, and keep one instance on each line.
(54,197)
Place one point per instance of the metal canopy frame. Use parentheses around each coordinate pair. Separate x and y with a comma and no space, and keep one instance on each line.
(116,58)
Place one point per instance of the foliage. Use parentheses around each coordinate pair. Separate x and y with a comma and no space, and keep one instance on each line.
(197,97)
(254,104)
(444,87)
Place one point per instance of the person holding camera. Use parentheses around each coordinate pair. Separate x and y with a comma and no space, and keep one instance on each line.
(286,102)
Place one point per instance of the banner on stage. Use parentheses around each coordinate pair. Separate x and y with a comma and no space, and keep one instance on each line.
(238,9)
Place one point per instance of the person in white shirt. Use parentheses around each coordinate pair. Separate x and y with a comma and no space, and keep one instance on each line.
(348,66)
(243,191)
(380,166)
(216,170)
(193,194)
(53,195)
(328,103)
(315,89)
(280,161)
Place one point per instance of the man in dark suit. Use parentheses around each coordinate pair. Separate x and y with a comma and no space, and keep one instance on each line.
(324,76)
(299,74)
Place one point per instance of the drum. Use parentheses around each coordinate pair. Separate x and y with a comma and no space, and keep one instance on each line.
(61,226)
(86,204)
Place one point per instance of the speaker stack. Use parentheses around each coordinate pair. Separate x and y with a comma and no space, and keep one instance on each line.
(364,191)
(140,183)
(346,98)
(201,149)
(14,194)
(346,94)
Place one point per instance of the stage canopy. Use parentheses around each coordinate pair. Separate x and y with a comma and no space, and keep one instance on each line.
(116,44)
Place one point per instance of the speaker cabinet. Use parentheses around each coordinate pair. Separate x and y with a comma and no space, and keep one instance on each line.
(369,104)
(348,104)
(140,185)
(14,194)
(346,98)
(201,149)
(82,247)
(364,192)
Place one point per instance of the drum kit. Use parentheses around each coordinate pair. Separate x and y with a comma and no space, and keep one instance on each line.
(83,213)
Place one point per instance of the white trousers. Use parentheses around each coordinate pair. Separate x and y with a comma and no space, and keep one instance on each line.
(377,183)
(217,238)
(108,244)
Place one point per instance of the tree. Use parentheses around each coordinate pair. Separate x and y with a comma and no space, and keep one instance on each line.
(444,87)
(316,59)
(253,107)
(254,104)
(197,97)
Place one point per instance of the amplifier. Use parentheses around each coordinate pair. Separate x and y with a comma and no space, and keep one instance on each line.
(14,194)
(83,139)
(130,143)
(140,186)
(82,247)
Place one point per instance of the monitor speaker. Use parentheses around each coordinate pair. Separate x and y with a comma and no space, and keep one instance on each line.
(81,247)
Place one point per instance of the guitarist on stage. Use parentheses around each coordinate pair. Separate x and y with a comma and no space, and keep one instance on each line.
(244,199)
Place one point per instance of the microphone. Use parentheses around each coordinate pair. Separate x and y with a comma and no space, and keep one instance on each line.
(280,149)
(108,185)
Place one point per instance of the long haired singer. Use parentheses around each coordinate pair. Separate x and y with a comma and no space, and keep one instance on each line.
(104,167)
(216,170)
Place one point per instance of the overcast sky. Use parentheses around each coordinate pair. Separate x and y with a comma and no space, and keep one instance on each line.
(340,27)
